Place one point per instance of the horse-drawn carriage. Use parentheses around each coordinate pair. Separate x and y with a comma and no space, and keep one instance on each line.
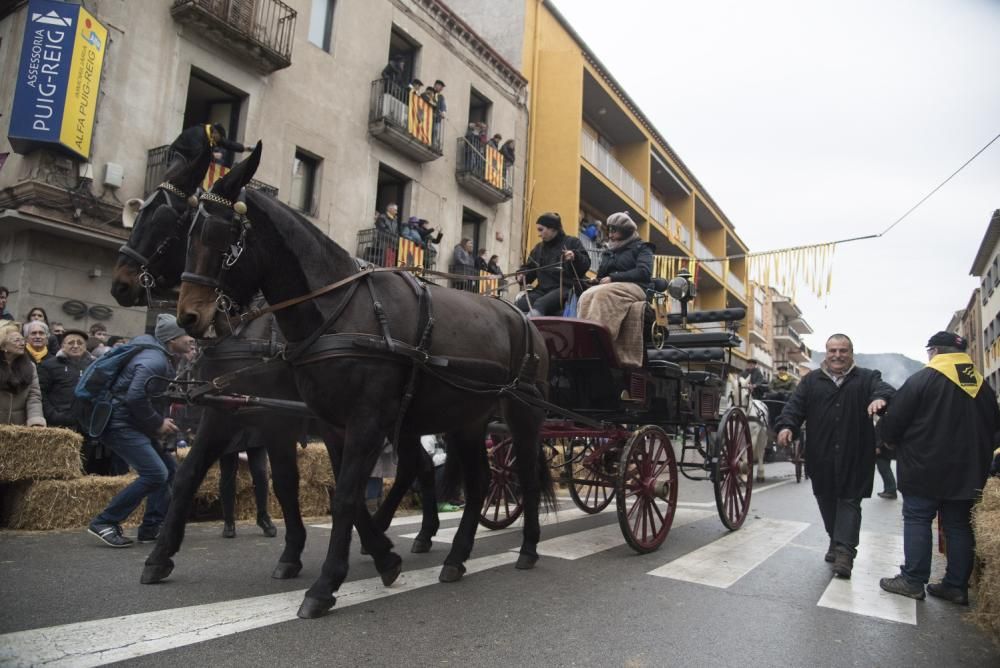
(612,431)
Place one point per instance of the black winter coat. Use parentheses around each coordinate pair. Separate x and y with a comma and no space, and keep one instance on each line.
(944,438)
(57,378)
(840,443)
(550,253)
(630,263)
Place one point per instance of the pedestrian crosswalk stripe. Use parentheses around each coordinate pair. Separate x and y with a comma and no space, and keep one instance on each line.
(878,557)
(404,520)
(104,641)
(447,535)
(585,543)
(724,561)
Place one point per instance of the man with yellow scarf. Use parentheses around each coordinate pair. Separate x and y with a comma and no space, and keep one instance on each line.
(942,422)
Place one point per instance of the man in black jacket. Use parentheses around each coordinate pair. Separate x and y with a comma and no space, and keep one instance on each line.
(197,139)
(838,401)
(943,422)
(558,262)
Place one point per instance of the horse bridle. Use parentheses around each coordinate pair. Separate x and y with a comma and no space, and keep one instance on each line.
(146,278)
(231,251)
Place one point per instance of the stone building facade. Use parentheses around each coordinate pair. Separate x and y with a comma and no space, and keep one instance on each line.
(302,76)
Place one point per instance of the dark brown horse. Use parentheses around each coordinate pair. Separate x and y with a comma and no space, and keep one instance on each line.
(391,358)
(153,258)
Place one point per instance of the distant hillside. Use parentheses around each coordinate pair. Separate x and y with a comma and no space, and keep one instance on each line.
(895,368)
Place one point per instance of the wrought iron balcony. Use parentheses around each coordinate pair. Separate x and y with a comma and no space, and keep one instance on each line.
(390,250)
(262,30)
(405,121)
(156,167)
(483,171)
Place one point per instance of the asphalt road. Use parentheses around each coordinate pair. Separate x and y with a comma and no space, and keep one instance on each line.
(762,596)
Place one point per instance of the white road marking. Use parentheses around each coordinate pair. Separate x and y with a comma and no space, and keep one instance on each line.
(711,504)
(585,543)
(547,519)
(878,557)
(104,641)
(724,561)
(402,521)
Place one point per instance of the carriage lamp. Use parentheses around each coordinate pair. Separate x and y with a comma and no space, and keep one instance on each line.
(681,287)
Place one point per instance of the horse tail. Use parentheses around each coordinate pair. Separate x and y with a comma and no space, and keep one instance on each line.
(546,484)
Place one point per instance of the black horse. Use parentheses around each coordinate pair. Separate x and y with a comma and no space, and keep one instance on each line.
(153,258)
(378,355)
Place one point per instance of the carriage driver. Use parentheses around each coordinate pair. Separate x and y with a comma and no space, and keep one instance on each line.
(783,382)
(558,262)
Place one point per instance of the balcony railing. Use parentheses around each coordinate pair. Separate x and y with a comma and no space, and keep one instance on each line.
(685,233)
(786,331)
(261,29)
(593,250)
(701,251)
(389,250)
(736,284)
(157,160)
(606,164)
(658,211)
(483,171)
(401,118)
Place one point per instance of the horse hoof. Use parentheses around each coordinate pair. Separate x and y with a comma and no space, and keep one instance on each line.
(154,573)
(420,545)
(526,562)
(390,574)
(313,608)
(286,571)
(450,573)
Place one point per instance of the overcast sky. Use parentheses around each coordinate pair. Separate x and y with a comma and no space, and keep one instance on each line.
(815,121)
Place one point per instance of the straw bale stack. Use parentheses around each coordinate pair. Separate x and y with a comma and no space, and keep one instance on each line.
(986,523)
(62,504)
(39,453)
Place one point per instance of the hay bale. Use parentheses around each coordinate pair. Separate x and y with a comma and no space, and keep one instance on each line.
(39,453)
(62,504)
(986,523)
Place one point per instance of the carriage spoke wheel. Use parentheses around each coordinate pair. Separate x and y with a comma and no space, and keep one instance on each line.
(503,502)
(591,469)
(647,489)
(733,469)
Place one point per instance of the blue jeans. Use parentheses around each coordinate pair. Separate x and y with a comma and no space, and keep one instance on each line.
(956,521)
(156,473)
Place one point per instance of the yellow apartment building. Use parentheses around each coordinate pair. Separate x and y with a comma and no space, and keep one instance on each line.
(593,152)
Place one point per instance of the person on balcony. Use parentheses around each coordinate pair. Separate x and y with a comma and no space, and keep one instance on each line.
(618,299)
(411,230)
(507,151)
(462,262)
(427,233)
(556,265)
(393,74)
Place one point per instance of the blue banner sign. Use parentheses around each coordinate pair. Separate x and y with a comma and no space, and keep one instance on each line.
(55,98)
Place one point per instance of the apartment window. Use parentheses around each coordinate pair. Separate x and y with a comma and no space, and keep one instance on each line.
(305,174)
(996,272)
(321,23)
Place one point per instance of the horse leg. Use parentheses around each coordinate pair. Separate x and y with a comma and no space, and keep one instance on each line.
(468,447)
(358,452)
(533,473)
(209,443)
(414,462)
(281,450)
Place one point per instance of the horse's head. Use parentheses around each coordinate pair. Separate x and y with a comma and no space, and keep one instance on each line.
(153,256)
(214,278)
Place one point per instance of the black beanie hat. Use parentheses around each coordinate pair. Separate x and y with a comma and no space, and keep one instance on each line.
(550,220)
(947,339)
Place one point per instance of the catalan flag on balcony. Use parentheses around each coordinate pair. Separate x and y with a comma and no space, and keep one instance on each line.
(421,118)
(494,167)
(216,170)
(411,254)
(489,284)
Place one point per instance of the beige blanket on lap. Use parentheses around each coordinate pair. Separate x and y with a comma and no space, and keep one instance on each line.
(620,307)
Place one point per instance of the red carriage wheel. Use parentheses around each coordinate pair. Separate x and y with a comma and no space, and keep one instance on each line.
(590,468)
(503,503)
(733,476)
(647,489)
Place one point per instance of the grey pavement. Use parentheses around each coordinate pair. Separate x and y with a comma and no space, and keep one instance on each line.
(602,609)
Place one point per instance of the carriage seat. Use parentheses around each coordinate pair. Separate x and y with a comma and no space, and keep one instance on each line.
(703,340)
(664,368)
(575,339)
(714,315)
(703,378)
(686,354)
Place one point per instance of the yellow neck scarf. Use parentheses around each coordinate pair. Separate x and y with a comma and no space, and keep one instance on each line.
(37,354)
(959,369)
(208,133)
